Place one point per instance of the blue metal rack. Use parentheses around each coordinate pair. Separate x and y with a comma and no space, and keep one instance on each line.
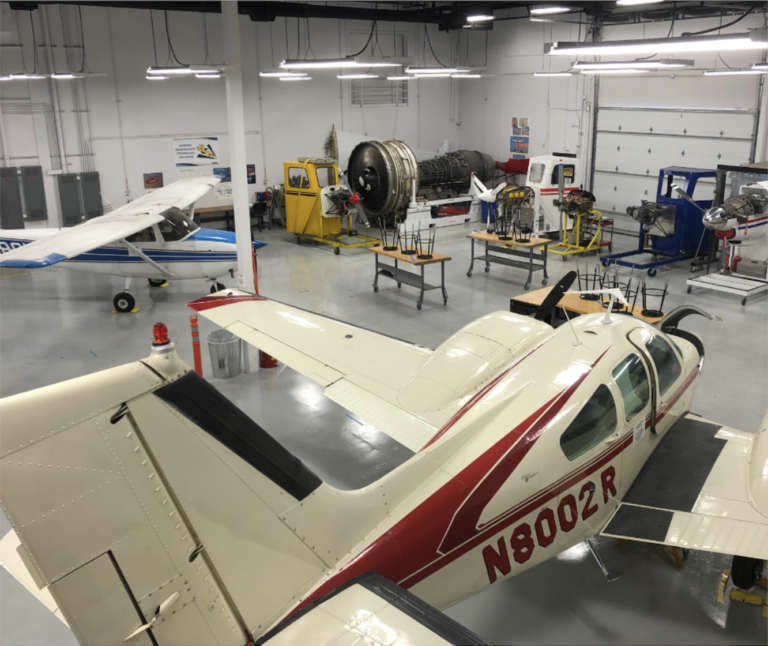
(690,238)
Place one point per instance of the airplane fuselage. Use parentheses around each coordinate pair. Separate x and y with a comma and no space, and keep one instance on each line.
(206,253)
(508,491)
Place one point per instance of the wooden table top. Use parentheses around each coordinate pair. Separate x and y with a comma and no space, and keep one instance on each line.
(534,242)
(409,258)
(212,209)
(574,303)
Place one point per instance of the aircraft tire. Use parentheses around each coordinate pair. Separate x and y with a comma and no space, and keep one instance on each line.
(124,302)
(745,571)
(156,283)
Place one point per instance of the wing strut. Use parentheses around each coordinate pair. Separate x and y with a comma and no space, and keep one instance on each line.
(146,258)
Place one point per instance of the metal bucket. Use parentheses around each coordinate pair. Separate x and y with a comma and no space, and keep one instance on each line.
(226,351)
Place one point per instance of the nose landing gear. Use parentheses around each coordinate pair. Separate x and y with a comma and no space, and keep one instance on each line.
(124,302)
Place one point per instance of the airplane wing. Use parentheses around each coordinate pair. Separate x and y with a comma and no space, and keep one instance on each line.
(361,370)
(369,610)
(705,487)
(123,222)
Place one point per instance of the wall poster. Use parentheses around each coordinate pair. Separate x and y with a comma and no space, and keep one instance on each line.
(519,138)
(153,181)
(196,151)
(223,190)
(251,173)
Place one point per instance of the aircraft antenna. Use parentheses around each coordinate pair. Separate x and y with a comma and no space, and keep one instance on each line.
(573,329)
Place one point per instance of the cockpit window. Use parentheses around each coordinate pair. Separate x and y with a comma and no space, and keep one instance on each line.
(595,422)
(632,380)
(177,225)
(667,365)
(145,235)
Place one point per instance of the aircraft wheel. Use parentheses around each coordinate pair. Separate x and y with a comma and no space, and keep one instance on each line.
(745,571)
(124,302)
(652,272)
(156,283)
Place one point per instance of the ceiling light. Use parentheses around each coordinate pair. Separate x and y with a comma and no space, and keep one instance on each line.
(184,69)
(632,3)
(319,63)
(729,72)
(543,11)
(466,76)
(615,71)
(755,39)
(632,64)
(357,76)
(480,17)
(295,78)
(208,75)
(6,78)
(157,77)
(760,66)
(24,75)
(401,78)
(65,75)
(432,76)
(552,74)
(278,73)
(432,70)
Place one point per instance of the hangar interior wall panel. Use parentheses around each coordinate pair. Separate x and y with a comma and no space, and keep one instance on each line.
(634,144)
(11,211)
(69,199)
(90,187)
(34,192)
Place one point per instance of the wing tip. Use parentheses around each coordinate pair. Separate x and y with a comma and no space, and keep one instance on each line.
(229,297)
(50,259)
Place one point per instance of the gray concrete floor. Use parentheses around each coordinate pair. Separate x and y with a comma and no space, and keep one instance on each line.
(57,325)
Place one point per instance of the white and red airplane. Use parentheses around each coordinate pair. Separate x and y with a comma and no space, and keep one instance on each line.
(149,238)
(148,509)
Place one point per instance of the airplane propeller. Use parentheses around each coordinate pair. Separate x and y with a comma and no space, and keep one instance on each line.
(687,197)
(554,296)
(487,194)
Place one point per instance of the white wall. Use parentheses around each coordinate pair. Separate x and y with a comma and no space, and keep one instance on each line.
(133,121)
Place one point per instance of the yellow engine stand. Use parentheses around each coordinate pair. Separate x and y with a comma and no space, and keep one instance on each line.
(304,181)
(582,220)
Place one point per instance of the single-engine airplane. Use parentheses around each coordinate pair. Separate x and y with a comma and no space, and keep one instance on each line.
(153,510)
(150,237)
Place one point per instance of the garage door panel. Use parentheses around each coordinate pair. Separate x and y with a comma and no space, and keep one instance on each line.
(723,124)
(638,154)
(615,193)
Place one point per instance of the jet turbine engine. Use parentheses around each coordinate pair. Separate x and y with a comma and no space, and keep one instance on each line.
(384,174)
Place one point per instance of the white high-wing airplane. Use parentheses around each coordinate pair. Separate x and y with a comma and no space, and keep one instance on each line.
(150,237)
(147,508)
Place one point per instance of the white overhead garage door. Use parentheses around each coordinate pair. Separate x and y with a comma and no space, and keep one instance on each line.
(633,144)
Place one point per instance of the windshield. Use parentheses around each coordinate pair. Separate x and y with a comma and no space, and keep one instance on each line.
(177,225)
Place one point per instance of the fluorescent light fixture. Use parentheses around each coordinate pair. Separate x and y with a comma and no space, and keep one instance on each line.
(432,76)
(632,3)
(730,72)
(754,39)
(617,65)
(552,74)
(157,77)
(432,70)
(65,75)
(480,17)
(185,69)
(357,76)
(760,66)
(466,76)
(320,63)
(208,75)
(615,71)
(24,76)
(279,73)
(6,78)
(544,11)
(295,78)
(401,78)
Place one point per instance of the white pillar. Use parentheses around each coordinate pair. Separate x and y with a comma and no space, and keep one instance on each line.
(236,117)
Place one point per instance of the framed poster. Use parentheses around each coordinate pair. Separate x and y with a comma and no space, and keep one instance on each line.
(196,151)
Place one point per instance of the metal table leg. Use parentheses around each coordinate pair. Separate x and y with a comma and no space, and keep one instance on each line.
(530,269)
(421,293)
(398,284)
(471,258)
(442,282)
(376,275)
(487,262)
(544,260)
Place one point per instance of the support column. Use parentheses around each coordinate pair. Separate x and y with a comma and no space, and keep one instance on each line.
(236,118)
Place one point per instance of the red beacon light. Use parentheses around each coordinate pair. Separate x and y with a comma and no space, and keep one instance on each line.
(160,332)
